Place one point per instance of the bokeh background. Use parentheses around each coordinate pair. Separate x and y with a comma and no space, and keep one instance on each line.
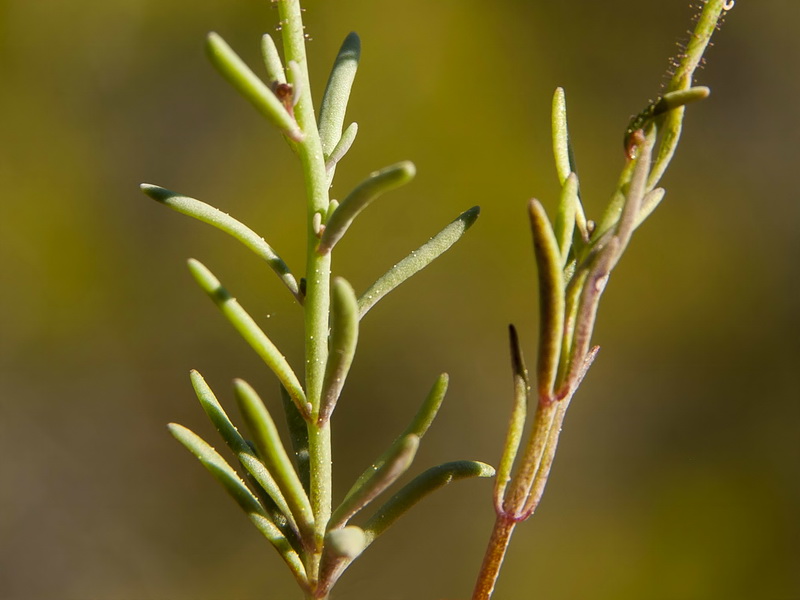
(677,476)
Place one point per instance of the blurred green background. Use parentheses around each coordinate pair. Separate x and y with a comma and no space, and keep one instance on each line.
(677,476)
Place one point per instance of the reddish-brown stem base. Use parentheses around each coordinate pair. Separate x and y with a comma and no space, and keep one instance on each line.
(493,559)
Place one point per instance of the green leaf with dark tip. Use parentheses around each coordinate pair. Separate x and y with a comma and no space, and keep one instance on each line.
(377,184)
(273,453)
(247,83)
(551,298)
(337,93)
(417,260)
(396,463)
(252,333)
(224,222)
(417,489)
(518,414)
(230,480)
(238,445)
(272,60)
(341,347)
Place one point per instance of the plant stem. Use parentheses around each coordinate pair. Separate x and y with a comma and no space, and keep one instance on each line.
(541,444)
(493,559)
(318,272)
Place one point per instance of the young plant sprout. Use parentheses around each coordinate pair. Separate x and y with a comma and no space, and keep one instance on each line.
(287,491)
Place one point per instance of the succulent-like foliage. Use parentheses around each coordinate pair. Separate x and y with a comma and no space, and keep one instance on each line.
(289,499)
(575,257)
(286,490)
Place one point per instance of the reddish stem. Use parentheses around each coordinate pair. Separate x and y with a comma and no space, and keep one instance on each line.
(493,559)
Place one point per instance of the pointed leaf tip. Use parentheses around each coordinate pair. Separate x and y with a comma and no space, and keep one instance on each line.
(157,193)
(418,259)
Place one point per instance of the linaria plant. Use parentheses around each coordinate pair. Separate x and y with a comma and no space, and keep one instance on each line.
(290,500)
(287,493)
(574,258)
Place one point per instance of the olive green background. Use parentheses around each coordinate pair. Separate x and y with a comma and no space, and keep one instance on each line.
(677,476)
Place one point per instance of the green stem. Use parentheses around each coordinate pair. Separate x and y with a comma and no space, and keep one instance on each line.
(318,270)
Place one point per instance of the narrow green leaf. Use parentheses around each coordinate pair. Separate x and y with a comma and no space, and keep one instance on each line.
(565,217)
(342,345)
(614,208)
(428,410)
(332,206)
(551,298)
(337,93)
(669,101)
(598,270)
(564,157)
(419,426)
(251,332)
(677,98)
(673,105)
(273,453)
(342,148)
(229,479)
(218,467)
(382,477)
(573,297)
(528,464)
(650,202)
(429,481)
(238,445)
(417,260)
(562,149)
(224,222)
(377,184)
(517,422)
(251,87)
(272,60)
(298,431)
